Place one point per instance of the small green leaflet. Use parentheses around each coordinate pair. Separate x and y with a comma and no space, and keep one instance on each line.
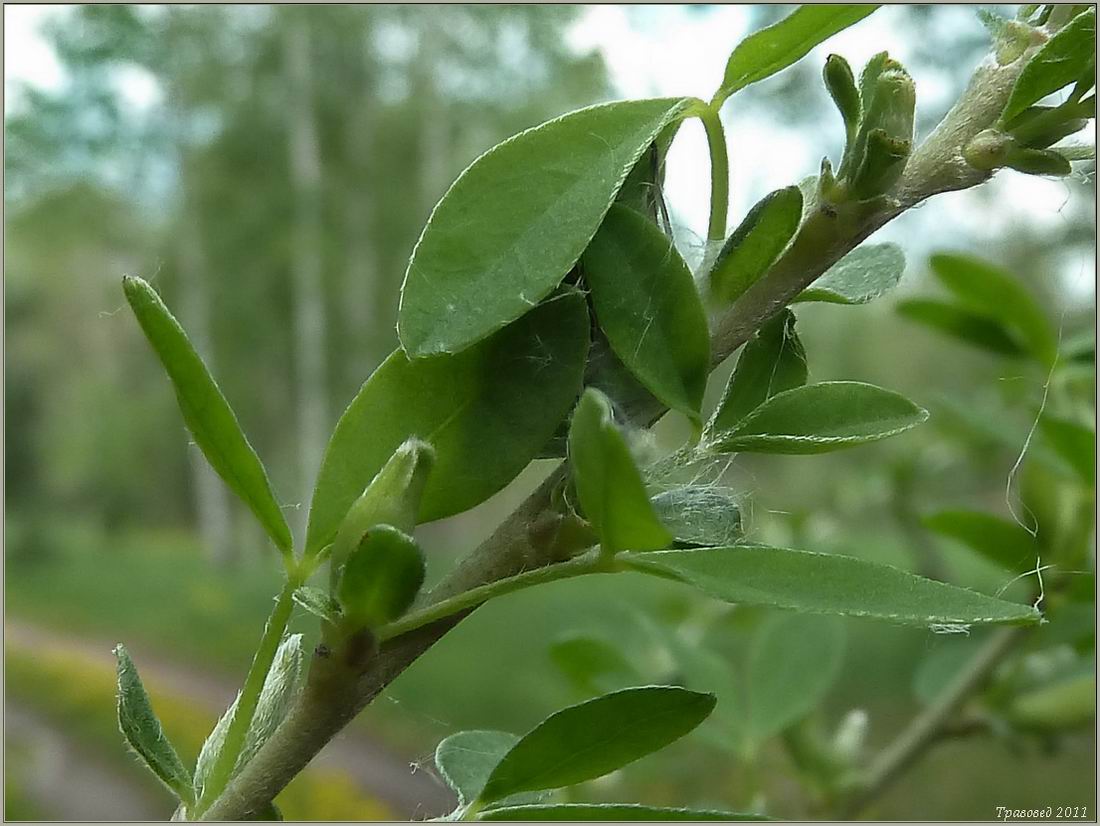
(318,603)
(1059,62)
(770,50)
(1003,543)
(381,578)
(206,412)
(609,485)
(818,418)
(974,329)
(645,301)
(465,760)
(487,412)
(591,664)
(1074,442)
(828,584)
(860,276)
(516,221)
(1065,704)
(143,731)
(793,661)
(990,291)
(589,740)
(699,515)
(607,811)
(772,361)
(755,245)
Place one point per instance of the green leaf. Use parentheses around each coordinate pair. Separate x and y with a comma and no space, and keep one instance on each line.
(818,418)
(828,584)
(772,361)
(776,47)
(1058,63)
(516,221)
(607,811)
(589,740)
(942,665)
(755,245)
(793,661)
(962,324)
(487,412)
(465,760)
(381,577)
(318,603)
(281,687)
(645,301)
(591,664)
(609,485)
(860,276)
(142,729)
(1066,704)
(699,515)
(1003,543)
(990,291)
(206,412)
(1075,443)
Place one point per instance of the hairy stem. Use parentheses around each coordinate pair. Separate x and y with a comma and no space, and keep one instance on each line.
(927,728)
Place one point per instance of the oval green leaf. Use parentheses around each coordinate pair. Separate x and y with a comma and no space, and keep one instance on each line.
(609,485)
(206,412)
(591,664)
(516,221)
(1059,62)
(381,577)
(646,303)
(699,515)
(1066,704)
(755,244)
(596,737)
(142,730)
(776,47)
(818,418)
(772,361)
(487,412)
(607,811)
(1074,442)
(860,276)
(990,291)
(1003,543)
(828,584)
(465,760)
(974,329)
(793,661)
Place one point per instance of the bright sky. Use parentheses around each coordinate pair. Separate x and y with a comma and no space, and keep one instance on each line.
(677,50)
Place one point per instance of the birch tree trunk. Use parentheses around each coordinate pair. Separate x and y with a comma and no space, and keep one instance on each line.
(306,254)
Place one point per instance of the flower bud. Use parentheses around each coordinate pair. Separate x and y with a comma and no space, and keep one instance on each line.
(988,150)
(841,84)
(883,162)
(380,578)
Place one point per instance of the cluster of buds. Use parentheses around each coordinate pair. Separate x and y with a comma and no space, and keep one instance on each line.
(1022,143)
(878,122)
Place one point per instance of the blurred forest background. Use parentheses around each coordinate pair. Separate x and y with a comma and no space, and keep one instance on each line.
(271,183)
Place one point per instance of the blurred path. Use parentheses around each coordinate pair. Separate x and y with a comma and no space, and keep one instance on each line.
(371,765)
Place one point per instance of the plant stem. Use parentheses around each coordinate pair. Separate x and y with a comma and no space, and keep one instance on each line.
(925,728)
(588,563)
(719,172)
(250,694)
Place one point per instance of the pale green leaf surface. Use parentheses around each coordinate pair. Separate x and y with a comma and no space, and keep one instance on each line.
(206,412)
(699,515)
(593,738)
(487,412)
(281,688)
(645,301)
(142,729)
(318,603)
(1065,704)
(817,418)
(607,811)
(1059,62)
(514,223)
(959,322)
(1074,442)
(592,664)
(465,760)
(610,488)
(860,276)
(776,47)
(755,245)
(990,291)
(942,665)
(828,584)
(381,577)
(212,747)
(1003,543)
(772,361)
(793,661)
